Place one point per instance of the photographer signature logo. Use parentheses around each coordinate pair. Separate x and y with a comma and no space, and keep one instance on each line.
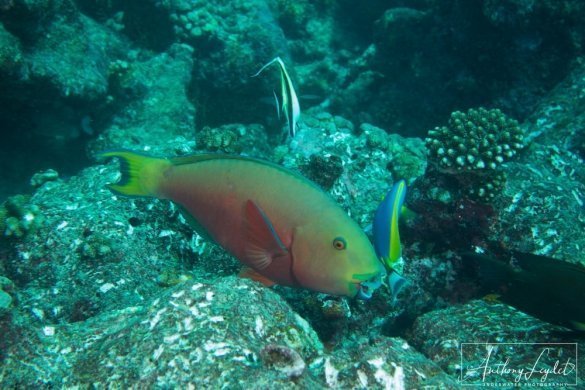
(519,364)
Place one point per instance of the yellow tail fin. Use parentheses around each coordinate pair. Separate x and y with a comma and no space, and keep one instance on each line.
(141,175)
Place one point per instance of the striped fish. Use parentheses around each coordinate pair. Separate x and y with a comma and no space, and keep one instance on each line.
(290,103)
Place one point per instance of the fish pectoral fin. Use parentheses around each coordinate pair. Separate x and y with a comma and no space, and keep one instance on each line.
(262,241)
(396,283)
(250,273)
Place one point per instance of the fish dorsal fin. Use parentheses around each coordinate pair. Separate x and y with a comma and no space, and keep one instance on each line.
(262,241)
(250,273)
(198,158)
(538,263)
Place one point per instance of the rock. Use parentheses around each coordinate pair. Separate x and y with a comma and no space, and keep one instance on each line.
(153,93)
(232,332)
(439,334)
(41,178)
(199,334)
(383,363)
(6,284)
(5,302)
(547,184)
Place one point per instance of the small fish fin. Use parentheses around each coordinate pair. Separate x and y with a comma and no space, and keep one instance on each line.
(396,283)
(543,264)
(141,174)
(407,214)
(267,65)
(390,262)
(195,158)
(262,241)
(250,273)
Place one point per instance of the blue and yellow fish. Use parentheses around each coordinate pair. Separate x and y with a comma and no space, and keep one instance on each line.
(386,234)
(385,226)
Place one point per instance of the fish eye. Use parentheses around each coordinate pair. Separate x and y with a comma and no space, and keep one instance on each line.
(339,243)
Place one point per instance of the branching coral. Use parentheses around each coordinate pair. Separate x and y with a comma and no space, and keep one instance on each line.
(223,139)
(473,146)
(474,140)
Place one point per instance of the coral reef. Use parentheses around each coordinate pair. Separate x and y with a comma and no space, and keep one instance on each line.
(474,140)
(231,40)
(399,66)
(104,291)
(323,134)
(214,140)
(19,217)
(253,335)
(323,170)
(40,178)
(456,55)
(543,199)
(235,139)
(54,61)
(6,287)
(480,321)
(147,114)
(11,55)
(472,148)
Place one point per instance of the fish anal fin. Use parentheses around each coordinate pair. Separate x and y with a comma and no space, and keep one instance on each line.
(250,273)
(262,241)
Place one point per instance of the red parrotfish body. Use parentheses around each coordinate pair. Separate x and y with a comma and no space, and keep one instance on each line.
(276,222)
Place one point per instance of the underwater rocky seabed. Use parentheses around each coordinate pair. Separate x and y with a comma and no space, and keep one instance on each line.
(102,290)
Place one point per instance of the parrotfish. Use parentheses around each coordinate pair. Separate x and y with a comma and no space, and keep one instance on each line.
(288,96)
(546,288)
(276,222)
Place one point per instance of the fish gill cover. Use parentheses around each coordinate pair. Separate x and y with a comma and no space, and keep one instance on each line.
(100,289)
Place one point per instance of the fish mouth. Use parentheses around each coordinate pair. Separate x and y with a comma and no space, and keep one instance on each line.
(366,288)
